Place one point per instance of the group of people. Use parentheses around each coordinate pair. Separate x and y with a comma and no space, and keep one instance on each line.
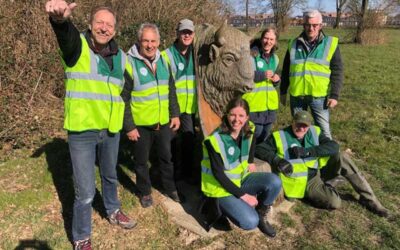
(151,95)
(304,156)
(148,94)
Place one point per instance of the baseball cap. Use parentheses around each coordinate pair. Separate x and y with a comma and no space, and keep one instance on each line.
(303,117)
(185,24)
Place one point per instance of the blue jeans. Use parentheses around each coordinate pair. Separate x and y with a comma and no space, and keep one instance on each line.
(262,131)
(82,147)
(319,110)
(265,185)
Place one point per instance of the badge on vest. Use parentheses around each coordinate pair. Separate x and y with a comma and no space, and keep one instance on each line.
(260,64)
(143,71)
(181,66)
(231,150)
(294,145)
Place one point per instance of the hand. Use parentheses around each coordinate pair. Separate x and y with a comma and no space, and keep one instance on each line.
(133,135)
(331,103)
(252,168)
(285,167)
(298,152)
(175,124)
(283,99)
(275,78)
(250,199)
(269,74)
(59,10)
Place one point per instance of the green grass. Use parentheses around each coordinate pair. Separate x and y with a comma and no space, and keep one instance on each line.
(36,193)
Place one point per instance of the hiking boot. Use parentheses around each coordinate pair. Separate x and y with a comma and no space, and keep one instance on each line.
(146,201)
(120,219)
(83,245)
(375,207)
(263,224)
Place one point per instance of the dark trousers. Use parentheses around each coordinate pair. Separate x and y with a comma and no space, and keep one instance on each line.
(141,151)
(183,153)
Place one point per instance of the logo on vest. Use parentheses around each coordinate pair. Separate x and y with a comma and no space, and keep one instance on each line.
(260,64)
(181,66)
(294,145)
(231,150)
(143,71)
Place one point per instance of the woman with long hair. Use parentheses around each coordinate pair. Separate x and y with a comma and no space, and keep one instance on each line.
(263,100)
(228,172)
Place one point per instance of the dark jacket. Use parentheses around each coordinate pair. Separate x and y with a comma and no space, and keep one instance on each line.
(267,150)
(336,67)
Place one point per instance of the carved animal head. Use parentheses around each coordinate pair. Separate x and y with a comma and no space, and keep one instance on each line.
(224,65)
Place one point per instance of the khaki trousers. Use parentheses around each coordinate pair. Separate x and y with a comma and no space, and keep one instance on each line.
(323,195)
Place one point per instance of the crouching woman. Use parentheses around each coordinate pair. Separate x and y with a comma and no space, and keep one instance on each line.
(228,172)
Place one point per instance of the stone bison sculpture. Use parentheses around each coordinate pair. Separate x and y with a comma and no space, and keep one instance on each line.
(224,70)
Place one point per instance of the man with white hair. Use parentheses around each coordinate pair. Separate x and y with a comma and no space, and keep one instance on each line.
(313,72)
(151,112)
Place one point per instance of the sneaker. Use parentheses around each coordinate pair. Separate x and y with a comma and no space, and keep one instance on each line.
(83,245)
(146,201)
(120,219)
(375,207)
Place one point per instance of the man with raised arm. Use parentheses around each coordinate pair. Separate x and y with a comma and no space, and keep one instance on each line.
(94,78)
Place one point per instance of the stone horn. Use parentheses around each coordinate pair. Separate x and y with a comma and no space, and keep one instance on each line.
(219,37)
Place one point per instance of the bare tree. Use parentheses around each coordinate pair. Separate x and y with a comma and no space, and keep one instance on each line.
(340,4)
(282,10)
(361,23)
(370,16)
(319,5)
(247,15)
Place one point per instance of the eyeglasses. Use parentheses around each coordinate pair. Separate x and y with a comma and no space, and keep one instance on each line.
(309,25)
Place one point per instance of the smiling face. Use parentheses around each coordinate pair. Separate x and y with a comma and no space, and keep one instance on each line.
(312,27)
(237,118)
(149,43)
(268,41)
(300,130)
(185,37)
(103,28)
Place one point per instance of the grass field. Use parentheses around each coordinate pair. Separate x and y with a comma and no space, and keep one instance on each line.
(36,192)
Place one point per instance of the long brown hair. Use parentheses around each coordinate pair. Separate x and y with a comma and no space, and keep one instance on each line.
(234,103)
(257,42)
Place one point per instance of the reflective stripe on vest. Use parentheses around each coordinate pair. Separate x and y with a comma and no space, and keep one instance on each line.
(235,170)
(185,83)
(310,72)
(92,100)
(150,94)
(295,185)
(264,95)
